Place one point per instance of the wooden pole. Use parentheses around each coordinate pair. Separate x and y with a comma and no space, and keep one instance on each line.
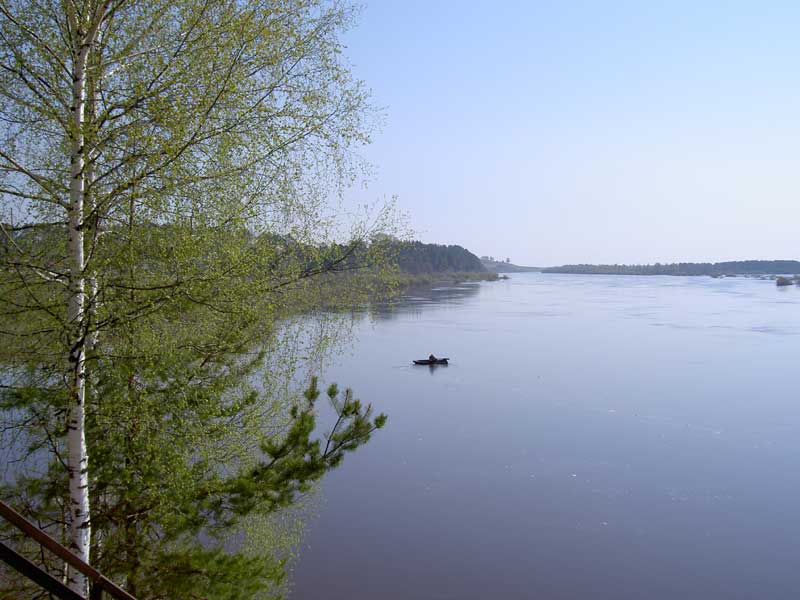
(41,578)
(99,580)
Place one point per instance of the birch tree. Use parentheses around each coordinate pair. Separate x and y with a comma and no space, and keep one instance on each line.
(161,159)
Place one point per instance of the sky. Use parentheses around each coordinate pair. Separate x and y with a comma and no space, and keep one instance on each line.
(555,132)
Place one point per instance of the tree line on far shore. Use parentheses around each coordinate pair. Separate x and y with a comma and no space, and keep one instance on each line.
(419,258)
(741,267)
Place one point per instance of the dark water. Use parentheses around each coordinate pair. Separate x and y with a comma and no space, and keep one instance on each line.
(593,437)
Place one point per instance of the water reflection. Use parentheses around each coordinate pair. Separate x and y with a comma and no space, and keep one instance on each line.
(415,300)
(431,368)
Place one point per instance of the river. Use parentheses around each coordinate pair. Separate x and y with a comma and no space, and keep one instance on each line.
(593,437)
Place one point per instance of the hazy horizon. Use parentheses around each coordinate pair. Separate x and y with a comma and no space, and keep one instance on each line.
(587,133)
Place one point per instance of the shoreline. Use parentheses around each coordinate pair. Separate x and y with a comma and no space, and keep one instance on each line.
(408,281)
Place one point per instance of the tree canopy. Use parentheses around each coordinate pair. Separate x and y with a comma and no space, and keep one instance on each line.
(420,258)
(166,169)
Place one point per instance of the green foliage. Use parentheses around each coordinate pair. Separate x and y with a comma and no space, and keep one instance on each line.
(198,573)
(213,136)
(419,258)
(171,482)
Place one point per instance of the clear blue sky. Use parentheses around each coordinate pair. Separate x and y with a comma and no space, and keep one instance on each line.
(558,132)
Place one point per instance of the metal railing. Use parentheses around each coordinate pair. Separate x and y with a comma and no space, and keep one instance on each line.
(99,582)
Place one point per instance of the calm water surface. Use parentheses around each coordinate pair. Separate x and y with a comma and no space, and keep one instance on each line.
(593,437)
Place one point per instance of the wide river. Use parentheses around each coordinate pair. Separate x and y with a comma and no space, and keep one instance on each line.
(593,437)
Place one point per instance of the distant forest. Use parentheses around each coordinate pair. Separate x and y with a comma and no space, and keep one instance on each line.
(740,267)
(418,258)
(495,266)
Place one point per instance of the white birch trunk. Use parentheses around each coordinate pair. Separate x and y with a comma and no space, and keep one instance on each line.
(84,28)
(92,298)
(78,458)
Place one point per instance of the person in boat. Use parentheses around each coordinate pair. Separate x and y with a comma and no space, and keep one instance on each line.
(432,358)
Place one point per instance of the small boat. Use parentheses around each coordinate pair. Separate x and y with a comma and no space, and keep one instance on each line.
(426,361)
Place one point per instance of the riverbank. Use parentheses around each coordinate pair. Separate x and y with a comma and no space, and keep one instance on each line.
(497,266)
(407,280)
